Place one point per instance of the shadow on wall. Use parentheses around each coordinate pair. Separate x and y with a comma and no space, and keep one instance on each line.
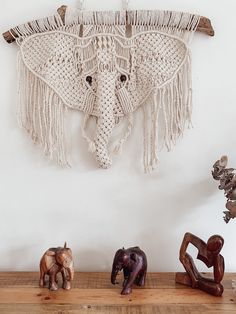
(193,196)
(20,258)
(172,201)
(93,260)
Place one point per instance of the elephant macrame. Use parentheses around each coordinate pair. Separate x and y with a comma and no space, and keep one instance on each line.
(107,65)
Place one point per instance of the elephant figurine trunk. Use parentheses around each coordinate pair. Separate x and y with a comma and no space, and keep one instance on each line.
(54,261)
(114,273)
(133,261)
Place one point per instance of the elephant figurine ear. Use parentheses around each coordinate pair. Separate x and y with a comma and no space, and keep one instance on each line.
(133,256)
(50,258)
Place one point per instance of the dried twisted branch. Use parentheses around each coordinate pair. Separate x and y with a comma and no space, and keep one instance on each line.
(204,26)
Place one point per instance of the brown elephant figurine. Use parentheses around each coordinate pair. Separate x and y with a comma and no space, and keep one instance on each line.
(54,261)
(133,261)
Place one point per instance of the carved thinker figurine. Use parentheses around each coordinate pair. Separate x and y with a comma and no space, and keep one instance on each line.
(209,254)
(227,178)
(54,261)
(133,261)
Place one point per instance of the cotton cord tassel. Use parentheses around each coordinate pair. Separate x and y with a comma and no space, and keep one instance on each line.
(81,4)
(179,24)
(125,5)
(119,146)
(151,133)
(41,113)
(91,144)
(42,25)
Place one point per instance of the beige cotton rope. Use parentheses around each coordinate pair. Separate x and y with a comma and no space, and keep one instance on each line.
(90,65)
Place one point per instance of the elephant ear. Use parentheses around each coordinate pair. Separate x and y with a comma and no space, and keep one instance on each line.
(157,61)
(50,259)
(133,257)
(160,82)
(50,79)
(54,58)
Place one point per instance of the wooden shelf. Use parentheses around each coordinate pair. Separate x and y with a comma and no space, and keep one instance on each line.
(93,293)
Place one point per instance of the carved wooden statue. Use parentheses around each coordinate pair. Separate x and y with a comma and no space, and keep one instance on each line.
(54,261)
(209,254)
(133,261)
(227,178)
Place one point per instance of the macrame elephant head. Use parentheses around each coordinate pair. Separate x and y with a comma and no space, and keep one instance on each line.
(107,76)
(104,72)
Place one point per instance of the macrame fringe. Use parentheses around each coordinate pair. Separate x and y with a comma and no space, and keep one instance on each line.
(41,113)
(103,21)
(173,103)
(91,144)
(38,26)
(103,17)
(170,22)
(119,146)
(156,18)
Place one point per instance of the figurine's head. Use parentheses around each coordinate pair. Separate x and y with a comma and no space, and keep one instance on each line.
(215,244)
(62,256)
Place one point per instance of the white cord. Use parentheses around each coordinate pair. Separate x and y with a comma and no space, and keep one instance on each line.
(125,5)
(80,4)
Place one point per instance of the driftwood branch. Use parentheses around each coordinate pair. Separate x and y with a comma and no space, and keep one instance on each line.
(204,26)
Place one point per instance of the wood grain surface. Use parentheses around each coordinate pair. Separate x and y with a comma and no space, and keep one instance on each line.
(93,293)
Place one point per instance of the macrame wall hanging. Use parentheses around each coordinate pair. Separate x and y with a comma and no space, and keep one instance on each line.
(106,64)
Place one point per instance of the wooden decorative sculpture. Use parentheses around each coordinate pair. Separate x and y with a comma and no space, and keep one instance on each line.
(227,178)
(133,261)
(209,254)
(54,261)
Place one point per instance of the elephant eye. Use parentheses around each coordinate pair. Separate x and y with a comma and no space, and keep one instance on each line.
(89,79)
(123,78)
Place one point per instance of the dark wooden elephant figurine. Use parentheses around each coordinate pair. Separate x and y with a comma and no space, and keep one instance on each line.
(133,261)
(54,261)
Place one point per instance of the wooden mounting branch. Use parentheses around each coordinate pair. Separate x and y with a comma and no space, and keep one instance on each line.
(204,26)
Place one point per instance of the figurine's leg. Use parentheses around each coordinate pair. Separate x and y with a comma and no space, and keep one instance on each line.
(127,289)
(42,281)
(66,283)
(126,273)
(210,286)
(191,270)
(52,279)
(141,278)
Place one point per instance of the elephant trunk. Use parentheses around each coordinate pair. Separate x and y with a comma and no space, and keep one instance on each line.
(114,273)
(70,271)
(106,121)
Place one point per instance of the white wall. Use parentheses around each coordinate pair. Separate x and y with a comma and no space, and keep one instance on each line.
(98,211)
